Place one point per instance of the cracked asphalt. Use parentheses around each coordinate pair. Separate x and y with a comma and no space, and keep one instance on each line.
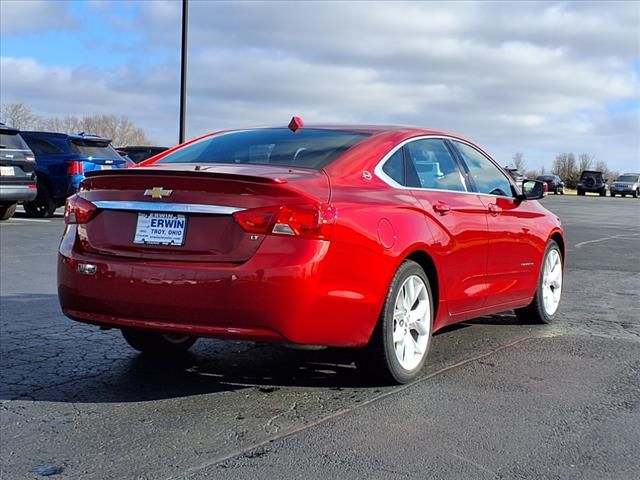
(497,400)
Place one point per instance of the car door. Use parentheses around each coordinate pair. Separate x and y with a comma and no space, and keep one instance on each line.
(457,219)
(514,255)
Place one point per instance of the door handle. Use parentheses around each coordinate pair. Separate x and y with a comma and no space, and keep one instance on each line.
(494,209)
(441,208)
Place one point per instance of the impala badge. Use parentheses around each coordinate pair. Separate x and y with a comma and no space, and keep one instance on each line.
(157,192)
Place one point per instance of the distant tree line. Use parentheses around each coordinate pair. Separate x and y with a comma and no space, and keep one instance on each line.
(120,129)
(567,167)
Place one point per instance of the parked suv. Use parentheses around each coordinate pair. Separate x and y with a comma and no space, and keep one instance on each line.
(554,183)
(592,181)
(17,171)
(141,153)
(61,162)
(626,184)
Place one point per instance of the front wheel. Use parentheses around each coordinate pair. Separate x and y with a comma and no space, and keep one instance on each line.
(7,210)
(158,343)
(636,193)
(398,347)
(546,300)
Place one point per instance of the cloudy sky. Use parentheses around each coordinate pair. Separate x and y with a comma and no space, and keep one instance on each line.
(538,78)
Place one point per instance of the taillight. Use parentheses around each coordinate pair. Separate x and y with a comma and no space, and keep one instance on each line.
(75,168)
(304,221)
(30,158)
(78,210)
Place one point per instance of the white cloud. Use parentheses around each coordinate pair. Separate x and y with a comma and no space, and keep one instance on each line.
(532,77)
(18,16)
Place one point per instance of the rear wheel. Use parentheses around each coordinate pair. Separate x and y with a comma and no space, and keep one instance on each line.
(158,343)
(7,210)
(613,194)
(43,205)
(400,342)
(546,301)
(580,192)
(603,193)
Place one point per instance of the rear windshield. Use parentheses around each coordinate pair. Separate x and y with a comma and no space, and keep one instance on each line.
(94,149)
(307,148)
(591,174)
(12,142)
(546,177)
(628,178)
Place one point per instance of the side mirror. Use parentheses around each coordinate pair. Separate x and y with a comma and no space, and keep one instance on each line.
(533,190)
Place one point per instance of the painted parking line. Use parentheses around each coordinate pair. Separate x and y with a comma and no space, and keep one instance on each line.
(604,239)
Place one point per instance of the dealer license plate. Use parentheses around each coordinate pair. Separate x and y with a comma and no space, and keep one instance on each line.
(7,171)
(160,229)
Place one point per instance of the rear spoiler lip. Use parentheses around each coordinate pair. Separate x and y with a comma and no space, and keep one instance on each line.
(239,177)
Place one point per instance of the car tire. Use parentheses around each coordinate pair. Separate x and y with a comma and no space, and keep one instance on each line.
(580,192)
(154,343)
(636,193)
(623,195)
(43,205)
(613,195)
(400,341)
(7,210)
(603,193)
(546,300)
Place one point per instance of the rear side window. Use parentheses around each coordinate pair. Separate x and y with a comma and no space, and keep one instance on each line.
(41,146)
(485,175)
(12,142)
(94,149)
(394,167)
(430,165)
(306,148)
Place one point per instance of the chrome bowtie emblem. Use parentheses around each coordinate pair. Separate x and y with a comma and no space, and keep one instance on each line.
(157,192)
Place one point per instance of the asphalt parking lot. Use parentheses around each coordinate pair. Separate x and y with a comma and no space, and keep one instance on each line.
(497,400)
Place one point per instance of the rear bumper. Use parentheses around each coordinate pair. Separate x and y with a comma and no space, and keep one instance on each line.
(18,193)
(287,292)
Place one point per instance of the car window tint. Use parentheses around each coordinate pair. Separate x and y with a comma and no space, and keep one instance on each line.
(13,141)
(486,176)
(307,148)
(40,146)
(430,165)
(394,167)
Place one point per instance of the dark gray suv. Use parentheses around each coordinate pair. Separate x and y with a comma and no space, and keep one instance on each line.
(17,171)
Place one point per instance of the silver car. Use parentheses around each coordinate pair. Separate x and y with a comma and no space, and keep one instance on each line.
(626,184)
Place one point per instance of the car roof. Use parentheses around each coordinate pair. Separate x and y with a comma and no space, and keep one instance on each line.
(7,129)
(73,136)
(368,128)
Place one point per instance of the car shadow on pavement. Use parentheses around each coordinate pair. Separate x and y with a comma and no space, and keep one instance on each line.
(47,357)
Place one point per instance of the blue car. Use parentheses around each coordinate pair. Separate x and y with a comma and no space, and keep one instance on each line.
(61,162)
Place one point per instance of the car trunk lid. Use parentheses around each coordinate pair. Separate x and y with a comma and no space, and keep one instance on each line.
(194,204)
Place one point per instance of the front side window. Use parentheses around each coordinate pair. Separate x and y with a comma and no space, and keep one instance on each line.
(307,148)
(485,175)
(430,165)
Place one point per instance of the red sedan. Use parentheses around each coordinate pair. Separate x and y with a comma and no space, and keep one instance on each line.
(352,236)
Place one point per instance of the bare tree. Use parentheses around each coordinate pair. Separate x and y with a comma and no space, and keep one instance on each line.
(119,129)
(585,161)
(518,162)
(565,167)
(18,115)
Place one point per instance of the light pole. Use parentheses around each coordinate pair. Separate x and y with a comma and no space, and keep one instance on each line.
(183,70)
